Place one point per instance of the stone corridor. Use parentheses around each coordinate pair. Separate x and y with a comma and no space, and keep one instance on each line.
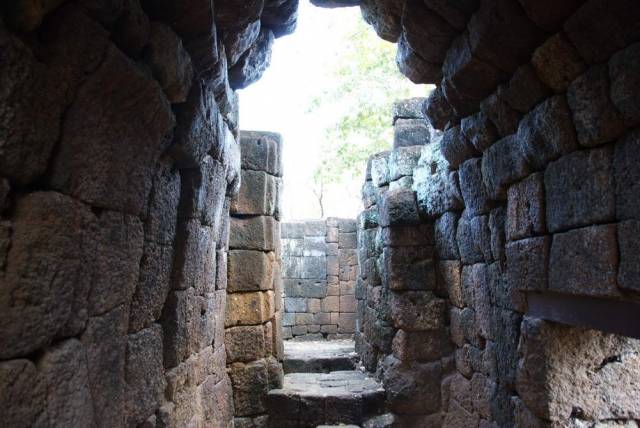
(491,280)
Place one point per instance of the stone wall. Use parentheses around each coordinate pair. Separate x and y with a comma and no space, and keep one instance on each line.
(253,335)
(319,272)
(118,158)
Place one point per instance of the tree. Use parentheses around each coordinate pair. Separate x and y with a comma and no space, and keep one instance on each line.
(364,83)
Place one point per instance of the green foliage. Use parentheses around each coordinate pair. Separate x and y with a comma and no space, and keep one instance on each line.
(364,83)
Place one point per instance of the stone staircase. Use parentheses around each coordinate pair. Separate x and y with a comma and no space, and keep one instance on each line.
(323,387)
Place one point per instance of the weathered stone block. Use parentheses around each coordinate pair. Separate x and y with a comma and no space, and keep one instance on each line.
(417,311)
(421,24)
(348,241)
(194,264)
(261,151)
(584,261)
(409,268)
(627,176)
(436,186)
(557,63)
(245,344)
(525,208)
(51,235)
(473,189)
(331,304)
(629,269)
(481,235)
(497,221)
(24,393)
(547,132)
(250,270)
(449,279)
(413,66)
(347,303)
(479,131)
(438,109)
(455,147)
(524,90)
(399,207)
(406,236)
(412,387)
(469,248)
(314,246)
(579,189)
(501,114)
(257,194)
(596,119)
(502,164)
(160,223)
(250,386)
(528,263)
(380,168)
(410,132)
(144,374)
(247,308)
(305,288)
(292,230)
(347,323)
(402,161)
(421,346)
(623,72)
(254,233)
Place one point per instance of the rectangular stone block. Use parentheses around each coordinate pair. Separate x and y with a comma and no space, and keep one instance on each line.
(254,233)
(292,230)
(250,386)
(528,263)
(329,329)
(305,288)
(627,176)
(472,187)
(250,270)
(584,261)
(333,266)
(408,236)
(295,304)
(332,235)
(261,151)
(409,268)
(579,189)
(315,228)
(421,345)
(449,280)
(417,311)
(502,164)
(257,195)
(525,208)
(304,319)
(247,308)
(347,240)
(331,304)
(347,287)
(314,246)
(245,344)
(629,242)
(314,305)
(298,330)
(194,260)
(332,249)
(289,319)
(292,247)
(445,236)
(348,303)
(398,207)
(347,323)
(321,318)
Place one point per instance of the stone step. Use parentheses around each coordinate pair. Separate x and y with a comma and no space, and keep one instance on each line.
(319,356)
(309,400)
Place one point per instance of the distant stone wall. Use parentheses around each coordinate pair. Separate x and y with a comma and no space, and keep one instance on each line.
(319,272)
(253,335)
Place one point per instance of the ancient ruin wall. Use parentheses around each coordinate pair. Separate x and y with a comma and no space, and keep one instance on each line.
(320,267)
(253,335)
(528,199)
(118,159)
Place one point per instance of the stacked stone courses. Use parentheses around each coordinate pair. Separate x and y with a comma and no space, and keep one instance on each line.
(253,334)
(319,271)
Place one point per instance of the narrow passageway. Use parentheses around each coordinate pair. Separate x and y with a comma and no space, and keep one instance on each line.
(324,386)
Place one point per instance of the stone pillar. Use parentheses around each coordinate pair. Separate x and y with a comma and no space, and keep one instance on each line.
(253,334)
(320,267)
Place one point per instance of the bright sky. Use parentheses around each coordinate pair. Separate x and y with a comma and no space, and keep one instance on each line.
(279,103)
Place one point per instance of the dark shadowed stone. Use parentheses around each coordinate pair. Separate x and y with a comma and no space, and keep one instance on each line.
(238,40)
(131,30)
(469,74)
(624,72)
(106,175)
(497,220)
(254,233)
(194,257)
(503,20)
(455,147)
(190,18)
(235,13)
(479,131)
(524,90)
(153,285)
(169,61)
(599,28)
(438,110)
(161,217)
(250,386)
(481,235)
(584,261)
(200,126)
(105,341)
(253,63)
(24,394)
(579,189)
(629,241)
(417,310)
(399,207)
(410,132)
(525,208)
(557,63)
(549,14)
(472,187)
(596,118)
(144,374)
(27,15)
(547,132)
(203,193)
(384,17)
(426,32)
(627,176)
(335,3)
(279,16)
(445,235)
(63,367)
(470,251)
(506,326)
(409,108)
(414,66)
(51,235)
(501,114)
(528,263)
(421,345)
(502,164)
(33,96)
(505,293)
(409,268)
(436,186)
(455,13)
(412,387)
